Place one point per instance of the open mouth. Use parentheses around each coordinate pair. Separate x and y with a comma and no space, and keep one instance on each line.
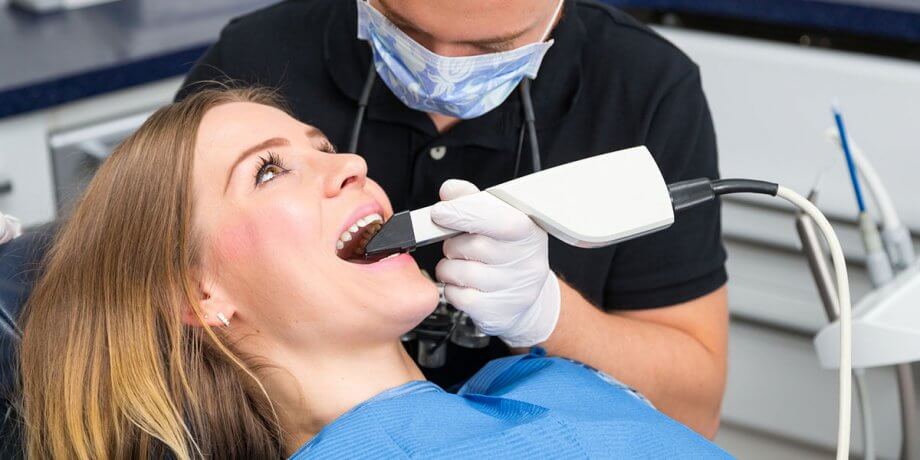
(351,243)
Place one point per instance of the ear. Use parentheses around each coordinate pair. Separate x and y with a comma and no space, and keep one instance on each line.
(211,300)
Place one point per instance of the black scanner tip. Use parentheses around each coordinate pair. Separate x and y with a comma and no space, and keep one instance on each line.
(395,236)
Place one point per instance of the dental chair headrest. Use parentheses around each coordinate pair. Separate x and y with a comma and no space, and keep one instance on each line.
(20,266)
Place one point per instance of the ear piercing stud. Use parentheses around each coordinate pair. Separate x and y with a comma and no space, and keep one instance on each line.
(223,319)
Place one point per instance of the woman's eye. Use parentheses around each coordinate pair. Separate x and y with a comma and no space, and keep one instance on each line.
(269,168)
(267,173)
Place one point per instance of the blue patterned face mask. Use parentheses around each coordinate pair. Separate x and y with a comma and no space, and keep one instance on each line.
(463,87)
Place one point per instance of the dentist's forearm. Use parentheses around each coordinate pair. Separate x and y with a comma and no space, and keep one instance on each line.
(681,370)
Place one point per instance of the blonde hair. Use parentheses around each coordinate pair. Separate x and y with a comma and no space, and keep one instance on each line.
(108,368)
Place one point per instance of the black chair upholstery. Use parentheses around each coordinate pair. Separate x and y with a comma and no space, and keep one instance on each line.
(20,266)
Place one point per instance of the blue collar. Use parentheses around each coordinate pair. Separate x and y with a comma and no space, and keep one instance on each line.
(413,387)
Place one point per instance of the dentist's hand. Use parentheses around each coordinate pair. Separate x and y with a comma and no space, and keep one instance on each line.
(498,271)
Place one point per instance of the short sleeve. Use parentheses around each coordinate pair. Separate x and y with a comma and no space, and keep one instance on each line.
(687,260)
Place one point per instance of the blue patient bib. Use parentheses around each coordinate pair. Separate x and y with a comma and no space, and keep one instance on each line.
(520,407)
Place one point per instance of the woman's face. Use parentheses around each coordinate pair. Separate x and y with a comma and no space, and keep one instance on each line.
(277,213)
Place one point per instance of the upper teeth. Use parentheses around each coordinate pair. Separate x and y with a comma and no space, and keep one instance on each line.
(356,228)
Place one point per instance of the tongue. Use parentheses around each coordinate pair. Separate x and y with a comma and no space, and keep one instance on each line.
(349,252)
(360,260)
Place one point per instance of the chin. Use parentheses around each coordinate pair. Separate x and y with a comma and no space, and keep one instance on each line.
(411,301)
(394,291)
(426,297)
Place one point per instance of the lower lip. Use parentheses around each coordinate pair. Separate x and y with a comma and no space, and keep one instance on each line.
(388,263)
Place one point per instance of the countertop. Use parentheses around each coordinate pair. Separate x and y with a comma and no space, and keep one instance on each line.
(46,60)
(889,19)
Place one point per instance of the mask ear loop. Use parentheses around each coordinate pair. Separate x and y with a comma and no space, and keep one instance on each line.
(552,22)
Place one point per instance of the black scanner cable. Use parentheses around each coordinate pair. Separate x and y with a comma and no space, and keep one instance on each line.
(689,193)
(531,128)
(362,107)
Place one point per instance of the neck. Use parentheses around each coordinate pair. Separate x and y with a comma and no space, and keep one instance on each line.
(312,391)
(443,122)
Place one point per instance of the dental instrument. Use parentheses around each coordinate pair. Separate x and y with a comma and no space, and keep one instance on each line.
(877,261)
(605,199)
(881,263)
(844,143)
(895,234)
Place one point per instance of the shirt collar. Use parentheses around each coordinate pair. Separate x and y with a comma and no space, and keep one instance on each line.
(408,388)
(554,92)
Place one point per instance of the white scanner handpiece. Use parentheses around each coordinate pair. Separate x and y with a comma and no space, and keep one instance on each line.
(594,202)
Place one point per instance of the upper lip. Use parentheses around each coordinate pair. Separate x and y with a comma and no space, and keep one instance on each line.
(362,210)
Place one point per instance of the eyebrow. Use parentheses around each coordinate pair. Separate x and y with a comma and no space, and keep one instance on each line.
(270,143)
(310,131)
(500,42)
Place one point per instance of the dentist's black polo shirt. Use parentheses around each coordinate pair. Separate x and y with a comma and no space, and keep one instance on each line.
(607,83)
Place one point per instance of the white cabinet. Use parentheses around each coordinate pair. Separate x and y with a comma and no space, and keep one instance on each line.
(25,154)
(25,163)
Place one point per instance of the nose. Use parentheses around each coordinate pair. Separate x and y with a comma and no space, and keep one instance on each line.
(347,170)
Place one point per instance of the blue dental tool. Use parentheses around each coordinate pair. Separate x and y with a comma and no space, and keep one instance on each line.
(845,144)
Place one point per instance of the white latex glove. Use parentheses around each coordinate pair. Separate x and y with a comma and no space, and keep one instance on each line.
(498,271)
(10,228)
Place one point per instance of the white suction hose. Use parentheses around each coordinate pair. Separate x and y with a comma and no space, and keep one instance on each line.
(843,297)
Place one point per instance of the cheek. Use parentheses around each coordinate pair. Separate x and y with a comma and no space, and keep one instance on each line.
(235,241)
(280,229)
(376,191)
(271,262)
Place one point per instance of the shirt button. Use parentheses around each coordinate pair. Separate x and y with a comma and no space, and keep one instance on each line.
(437,152)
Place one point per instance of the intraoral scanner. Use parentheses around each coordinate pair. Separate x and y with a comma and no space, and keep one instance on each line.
(563,201)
